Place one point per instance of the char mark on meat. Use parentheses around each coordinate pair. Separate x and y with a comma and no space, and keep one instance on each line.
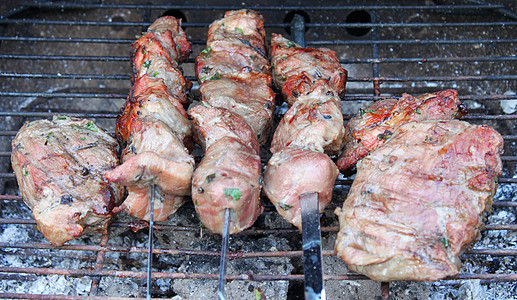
(373,126)
(154,127)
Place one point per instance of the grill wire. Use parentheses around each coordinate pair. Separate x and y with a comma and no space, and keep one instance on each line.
(81,68)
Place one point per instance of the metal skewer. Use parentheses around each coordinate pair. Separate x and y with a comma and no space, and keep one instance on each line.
(312,259)
(224,254)
(150,242)
(311,235)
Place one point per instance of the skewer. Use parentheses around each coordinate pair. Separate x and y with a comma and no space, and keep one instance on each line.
(312,260)
(150,242)
(224,254)
(311,233)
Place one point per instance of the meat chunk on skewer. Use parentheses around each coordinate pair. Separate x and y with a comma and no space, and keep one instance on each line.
(314,122)
(154,127)
(295,67)
(292,172)
(311,80)
(60,166)
(247,94)
(230,172)
(375,124)
(416,202)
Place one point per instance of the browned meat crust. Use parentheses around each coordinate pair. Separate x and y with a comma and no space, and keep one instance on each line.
(416,202)
(311,80)
(60,166)
(154,126)
(295,67)
(236,108)
(372,126)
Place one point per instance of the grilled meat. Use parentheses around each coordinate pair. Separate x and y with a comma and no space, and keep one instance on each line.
(60,166)
(310,80)
(314,121)
(296,67)
(229,173)
(158,53)
(236,107)
(292,172)
(248,95)
(416,202)
(375,124)
(154,126)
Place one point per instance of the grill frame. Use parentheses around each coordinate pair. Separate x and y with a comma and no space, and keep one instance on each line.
(375,80)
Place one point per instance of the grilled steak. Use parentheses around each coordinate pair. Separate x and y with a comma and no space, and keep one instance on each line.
(311,80)
(154,126)
(416,202)
(60,166)
(375,124)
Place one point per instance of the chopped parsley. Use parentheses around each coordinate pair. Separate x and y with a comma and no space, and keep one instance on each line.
(60,118)
(233,192)
(26,173)
(91,126)
(290,44)
(418,111)
(215,77)
(239,30)
(48,135)
(82,139)
(146,64)
(206,52)
(445,242)
(144,50)
(155,73)
(178,47)
(362,111)
(285,206)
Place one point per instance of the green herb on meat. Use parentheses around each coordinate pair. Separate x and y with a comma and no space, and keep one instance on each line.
(233,192)
(91,126)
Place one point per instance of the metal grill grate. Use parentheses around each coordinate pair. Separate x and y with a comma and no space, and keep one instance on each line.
(73,58)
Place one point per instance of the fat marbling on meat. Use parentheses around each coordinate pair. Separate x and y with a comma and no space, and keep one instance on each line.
(60,166)
(417,202)
(374,125)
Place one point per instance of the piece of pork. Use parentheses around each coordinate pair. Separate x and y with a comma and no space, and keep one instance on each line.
(375,124)
(60,166)
(417,202)
(314,122)
(292,172)
(248,95)
(293,65)
(153,127)
(229,175)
